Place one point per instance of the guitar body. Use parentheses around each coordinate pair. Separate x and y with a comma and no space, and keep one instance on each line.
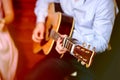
(58,22)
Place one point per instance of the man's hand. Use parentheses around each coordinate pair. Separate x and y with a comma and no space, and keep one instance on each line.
(38,33)
(59,45)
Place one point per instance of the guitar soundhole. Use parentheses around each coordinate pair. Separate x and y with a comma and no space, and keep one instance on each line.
(49,30)
(43,42)
(46,36)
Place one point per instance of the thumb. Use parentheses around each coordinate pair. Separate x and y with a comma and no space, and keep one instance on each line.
(42,35)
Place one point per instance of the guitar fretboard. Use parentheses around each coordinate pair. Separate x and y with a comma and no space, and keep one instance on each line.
(66,42)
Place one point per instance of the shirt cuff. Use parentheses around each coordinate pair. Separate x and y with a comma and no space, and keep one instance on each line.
(40,19)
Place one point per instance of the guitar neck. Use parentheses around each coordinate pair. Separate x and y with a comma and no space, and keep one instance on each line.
(66,42)
(54,35)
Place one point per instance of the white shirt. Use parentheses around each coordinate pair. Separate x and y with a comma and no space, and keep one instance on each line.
(94,19)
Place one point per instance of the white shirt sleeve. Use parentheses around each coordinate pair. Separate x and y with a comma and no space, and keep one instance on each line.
(41,9)
(95,23)
(103,25)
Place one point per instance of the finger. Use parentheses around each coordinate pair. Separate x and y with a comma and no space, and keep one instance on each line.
(41,35)
(63,36)
(60,49)
(36,39)
(59,45)
(59,41)
(36,35)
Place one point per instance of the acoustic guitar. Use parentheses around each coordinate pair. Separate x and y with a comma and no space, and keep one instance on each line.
(59,23)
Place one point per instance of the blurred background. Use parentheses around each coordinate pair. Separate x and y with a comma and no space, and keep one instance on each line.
(21,31)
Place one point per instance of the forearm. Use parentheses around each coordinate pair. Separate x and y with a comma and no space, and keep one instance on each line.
(41,9)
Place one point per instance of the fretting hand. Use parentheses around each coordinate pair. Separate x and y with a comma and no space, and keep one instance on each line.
(59,45)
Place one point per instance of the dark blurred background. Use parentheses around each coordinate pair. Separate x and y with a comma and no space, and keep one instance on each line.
(113,70)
